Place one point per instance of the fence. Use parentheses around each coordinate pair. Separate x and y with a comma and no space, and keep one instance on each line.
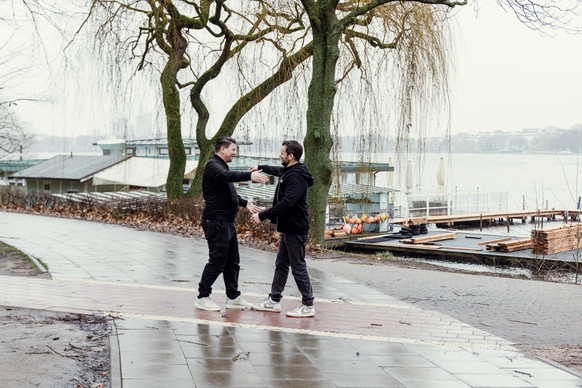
(457,203)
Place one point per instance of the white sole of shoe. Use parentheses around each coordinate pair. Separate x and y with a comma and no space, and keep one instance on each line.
(238,307)
(207,309)
(267,310)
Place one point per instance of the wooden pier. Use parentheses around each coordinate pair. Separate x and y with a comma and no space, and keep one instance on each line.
(468,247)
(486,219)
(474,246)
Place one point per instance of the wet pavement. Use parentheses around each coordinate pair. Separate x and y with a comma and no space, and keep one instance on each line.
(360,337)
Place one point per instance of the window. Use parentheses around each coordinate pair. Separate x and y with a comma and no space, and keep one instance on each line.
(163,151)
(130,151)
(188,150)
(47,187)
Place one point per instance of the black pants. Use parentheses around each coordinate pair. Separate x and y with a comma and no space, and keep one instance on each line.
(223,258)
(292,254)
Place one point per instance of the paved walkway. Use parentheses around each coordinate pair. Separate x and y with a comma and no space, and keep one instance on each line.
(360,337)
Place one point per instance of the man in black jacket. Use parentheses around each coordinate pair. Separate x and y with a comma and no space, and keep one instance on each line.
(221,205)
(291,214)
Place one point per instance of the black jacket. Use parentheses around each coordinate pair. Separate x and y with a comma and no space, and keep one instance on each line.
(218,190)
(289,211)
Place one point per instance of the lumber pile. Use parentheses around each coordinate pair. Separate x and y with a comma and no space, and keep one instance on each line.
(431,238)
(415,221)
(510,245)
(555,240)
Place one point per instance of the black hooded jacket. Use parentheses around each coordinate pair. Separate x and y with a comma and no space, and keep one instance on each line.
(289,211)
(220,196)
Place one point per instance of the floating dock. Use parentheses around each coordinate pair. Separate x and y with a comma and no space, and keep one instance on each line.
(486,219)
(475,247)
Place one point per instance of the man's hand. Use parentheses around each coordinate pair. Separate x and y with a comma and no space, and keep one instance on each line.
(253,168)
(255,218)
(252,207)
(257,177)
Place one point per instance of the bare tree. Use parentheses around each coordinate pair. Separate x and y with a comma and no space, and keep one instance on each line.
(12,135)
(415,32)
(221,33)
(544,15)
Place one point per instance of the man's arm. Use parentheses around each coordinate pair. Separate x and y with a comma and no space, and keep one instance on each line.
(296,187)
(218,172)
(270,170)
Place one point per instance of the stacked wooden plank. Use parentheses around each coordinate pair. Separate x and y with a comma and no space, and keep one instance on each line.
(510,245)
(555,240)
(415,221)
(431,238)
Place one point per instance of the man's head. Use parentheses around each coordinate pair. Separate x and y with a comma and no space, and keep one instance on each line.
(291,152)
(225,148)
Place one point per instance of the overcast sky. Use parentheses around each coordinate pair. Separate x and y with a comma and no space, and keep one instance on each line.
(508,77)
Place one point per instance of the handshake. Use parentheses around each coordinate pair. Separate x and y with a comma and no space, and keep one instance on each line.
(255,210)
(256,177)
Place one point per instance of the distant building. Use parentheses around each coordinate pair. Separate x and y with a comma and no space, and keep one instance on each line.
(65,173)
(147,148)
(9,167)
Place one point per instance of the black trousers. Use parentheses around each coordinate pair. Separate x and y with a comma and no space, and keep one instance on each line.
(223,258)
(292,254)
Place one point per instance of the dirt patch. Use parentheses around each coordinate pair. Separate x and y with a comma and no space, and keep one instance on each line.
(15,263)
(46,348)
(567,355)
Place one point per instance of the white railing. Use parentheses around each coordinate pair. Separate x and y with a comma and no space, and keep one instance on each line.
(457,203)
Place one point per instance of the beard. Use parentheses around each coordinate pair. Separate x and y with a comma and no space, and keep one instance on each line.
(284,163)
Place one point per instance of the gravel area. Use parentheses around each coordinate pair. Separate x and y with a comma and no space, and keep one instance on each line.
(50,349)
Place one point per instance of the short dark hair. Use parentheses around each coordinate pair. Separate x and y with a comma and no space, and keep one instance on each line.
(293,147)
(223,142)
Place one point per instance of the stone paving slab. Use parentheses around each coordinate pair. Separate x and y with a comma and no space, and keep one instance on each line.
(237,356)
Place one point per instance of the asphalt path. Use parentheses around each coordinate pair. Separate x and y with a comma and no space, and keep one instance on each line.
(527,312)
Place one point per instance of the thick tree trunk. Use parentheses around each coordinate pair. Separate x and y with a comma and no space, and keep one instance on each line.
(206,153)
(318,141)
(176,152)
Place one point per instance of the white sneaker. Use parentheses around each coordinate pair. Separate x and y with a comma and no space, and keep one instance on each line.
(238,303)
(206,304)
(302,312)
(268,305)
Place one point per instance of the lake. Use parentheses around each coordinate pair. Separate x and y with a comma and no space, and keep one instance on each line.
(536,181)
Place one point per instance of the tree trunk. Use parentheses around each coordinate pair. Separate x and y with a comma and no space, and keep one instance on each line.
(171,99)
(206,153)
(318,141)
(176,152)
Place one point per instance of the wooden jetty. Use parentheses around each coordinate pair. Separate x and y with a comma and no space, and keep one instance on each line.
(485,219)
(474,247)
(559,246)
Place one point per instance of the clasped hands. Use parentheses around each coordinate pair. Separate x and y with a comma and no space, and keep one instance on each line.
(254,209)
(256,177)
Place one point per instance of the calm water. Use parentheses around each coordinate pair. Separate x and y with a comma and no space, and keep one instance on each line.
(536,180)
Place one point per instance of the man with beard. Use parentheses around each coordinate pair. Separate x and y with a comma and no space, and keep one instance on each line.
(221,205)
(291,215)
